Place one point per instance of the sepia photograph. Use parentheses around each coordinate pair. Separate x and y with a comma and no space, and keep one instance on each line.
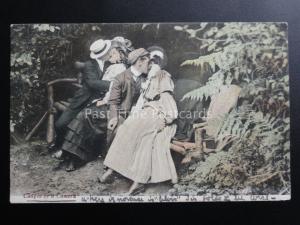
(149,112)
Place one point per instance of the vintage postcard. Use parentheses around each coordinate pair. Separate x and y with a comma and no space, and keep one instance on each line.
(149,112)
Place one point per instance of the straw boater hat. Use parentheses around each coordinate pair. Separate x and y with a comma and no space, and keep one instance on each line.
(160,52)
(135,54)
(99,48)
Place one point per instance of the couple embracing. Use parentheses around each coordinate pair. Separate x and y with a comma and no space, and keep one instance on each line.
(142,112)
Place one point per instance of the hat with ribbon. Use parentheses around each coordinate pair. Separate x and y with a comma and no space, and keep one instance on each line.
(126,44)
(99,48)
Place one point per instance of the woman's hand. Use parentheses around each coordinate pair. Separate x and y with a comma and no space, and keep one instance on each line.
(99,103)
(154,69)
(161,124)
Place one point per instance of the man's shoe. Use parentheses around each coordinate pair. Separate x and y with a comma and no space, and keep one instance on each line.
(52,147)
(71,166)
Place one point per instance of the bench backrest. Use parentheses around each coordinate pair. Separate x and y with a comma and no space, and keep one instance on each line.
(220,105)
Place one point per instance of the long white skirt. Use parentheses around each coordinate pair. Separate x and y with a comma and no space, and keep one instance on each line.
(140,153)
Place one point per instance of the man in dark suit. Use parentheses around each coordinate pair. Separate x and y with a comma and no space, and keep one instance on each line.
(93,87)
(126,90)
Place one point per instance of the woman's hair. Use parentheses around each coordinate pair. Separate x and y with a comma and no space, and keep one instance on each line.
(162,62)
(157,60)
(123,54)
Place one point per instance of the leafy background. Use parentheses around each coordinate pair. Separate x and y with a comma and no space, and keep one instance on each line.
(255,57)
(43,52)
(251,55)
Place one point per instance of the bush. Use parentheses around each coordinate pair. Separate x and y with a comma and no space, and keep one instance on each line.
(39,54)
(253,56)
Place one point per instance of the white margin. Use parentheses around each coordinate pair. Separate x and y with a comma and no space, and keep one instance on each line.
(31,198)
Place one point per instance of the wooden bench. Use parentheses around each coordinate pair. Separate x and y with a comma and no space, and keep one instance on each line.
(54,107)
(221,104)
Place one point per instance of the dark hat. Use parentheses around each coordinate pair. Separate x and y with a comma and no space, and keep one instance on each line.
(135,54)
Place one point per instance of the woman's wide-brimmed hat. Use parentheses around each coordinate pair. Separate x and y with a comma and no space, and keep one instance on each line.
(99,48)
(118,45)
(159,52)
(124,44)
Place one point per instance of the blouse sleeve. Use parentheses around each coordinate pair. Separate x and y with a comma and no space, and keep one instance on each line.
(113,70)
(111,73)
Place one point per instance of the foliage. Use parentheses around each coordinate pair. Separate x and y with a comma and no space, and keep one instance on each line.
(39,53)
(258,162)
(240,51)
(43,52)
(253,56)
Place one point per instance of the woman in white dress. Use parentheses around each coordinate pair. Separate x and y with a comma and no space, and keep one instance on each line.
(141,148)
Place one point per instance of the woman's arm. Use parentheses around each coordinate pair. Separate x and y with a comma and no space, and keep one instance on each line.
(168,107)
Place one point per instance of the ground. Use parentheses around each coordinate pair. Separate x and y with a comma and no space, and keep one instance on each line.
(33,170)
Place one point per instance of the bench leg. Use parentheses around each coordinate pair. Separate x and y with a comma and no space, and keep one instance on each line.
(198,152)
(200,144)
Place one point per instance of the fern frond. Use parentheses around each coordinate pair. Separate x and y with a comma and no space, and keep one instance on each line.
(211,59)
(212,87)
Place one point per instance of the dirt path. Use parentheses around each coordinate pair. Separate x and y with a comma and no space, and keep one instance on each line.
(32,170)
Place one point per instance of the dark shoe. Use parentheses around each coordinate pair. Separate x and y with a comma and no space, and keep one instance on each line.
(139,189)
(52,147)
(71,166)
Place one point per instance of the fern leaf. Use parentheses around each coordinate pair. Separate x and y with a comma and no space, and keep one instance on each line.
(212,87)
(211,59)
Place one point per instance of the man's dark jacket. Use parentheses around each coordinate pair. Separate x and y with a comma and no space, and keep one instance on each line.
(93,87)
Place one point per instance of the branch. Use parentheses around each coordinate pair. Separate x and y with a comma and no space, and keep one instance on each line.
(62,80)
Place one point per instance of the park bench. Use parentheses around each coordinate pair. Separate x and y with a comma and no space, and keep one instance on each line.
(55,106)
(206,131)
(221,104)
